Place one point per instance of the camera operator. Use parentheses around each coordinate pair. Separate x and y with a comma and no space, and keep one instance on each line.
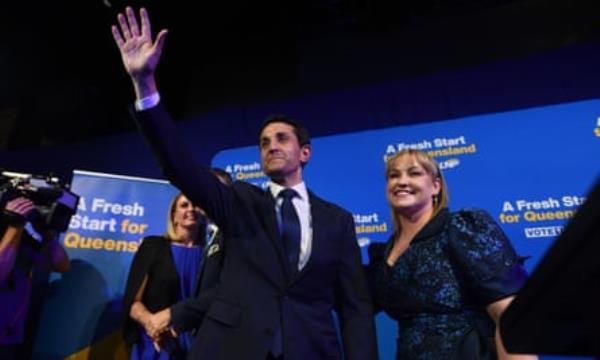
(20,254)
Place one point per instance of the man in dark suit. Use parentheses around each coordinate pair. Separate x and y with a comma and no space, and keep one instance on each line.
(291,257)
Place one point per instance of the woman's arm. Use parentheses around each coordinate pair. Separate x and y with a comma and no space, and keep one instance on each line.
(9,246)
(15,213)
(138,310)
(52,256)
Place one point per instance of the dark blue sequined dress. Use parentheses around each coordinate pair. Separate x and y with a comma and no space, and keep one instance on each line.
(439,287)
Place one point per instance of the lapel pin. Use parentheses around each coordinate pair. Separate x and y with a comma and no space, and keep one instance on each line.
(213,249)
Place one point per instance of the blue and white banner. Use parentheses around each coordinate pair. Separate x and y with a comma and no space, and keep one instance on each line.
(82,315)
(530,169)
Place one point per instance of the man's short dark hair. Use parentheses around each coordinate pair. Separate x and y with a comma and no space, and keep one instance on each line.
(299,129)
(223,175)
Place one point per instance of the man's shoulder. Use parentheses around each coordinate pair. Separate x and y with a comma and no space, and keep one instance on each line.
(328,206)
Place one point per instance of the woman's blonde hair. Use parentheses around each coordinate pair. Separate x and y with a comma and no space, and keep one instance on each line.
(431,166)
(171,233)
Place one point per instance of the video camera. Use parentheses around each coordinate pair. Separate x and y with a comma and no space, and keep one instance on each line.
(54,203)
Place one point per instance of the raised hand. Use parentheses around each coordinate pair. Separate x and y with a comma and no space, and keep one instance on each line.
(139,53)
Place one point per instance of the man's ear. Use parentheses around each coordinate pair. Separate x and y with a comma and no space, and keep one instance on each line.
(305,153)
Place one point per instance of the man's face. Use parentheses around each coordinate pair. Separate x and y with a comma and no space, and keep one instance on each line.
(281,155)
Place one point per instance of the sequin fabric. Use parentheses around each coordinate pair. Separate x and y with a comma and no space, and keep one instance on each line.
(438,288)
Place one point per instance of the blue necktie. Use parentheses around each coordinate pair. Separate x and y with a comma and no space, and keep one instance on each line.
(290,228)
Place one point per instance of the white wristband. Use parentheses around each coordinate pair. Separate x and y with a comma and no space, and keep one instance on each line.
(147,102)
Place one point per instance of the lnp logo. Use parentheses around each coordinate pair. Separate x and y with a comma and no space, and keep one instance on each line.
(597,129)
(449,164)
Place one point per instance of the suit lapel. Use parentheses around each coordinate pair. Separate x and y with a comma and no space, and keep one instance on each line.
(203,259)
(209,249)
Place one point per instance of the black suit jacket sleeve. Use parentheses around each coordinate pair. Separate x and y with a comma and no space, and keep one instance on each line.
(196,181)
(353,301)
(199,185)
(189,313)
